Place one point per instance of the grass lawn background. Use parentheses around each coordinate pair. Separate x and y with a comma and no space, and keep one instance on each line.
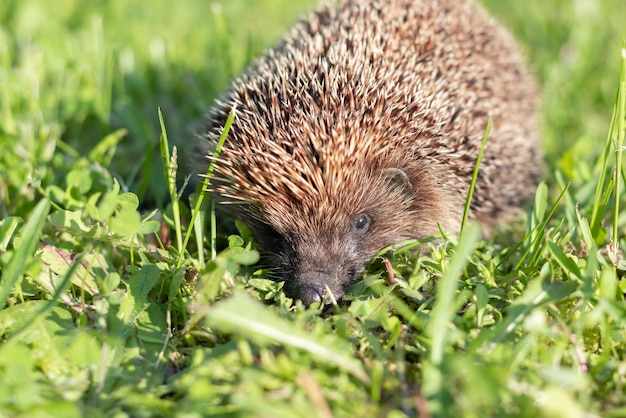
(103,314)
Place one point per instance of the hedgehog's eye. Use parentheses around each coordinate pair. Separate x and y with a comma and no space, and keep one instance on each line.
(361,223)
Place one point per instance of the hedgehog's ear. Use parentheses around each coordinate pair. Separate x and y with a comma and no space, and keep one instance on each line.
(398,180)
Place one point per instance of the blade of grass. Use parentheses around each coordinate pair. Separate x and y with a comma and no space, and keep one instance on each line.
(621,115)
(205,186)
(170,166)
(479,159)
(199,222)
(443,310)
(600,203)
(441,315)
(23,253)
(534,248)
(213,224)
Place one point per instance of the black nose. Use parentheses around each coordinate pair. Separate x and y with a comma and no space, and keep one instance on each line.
(313,294)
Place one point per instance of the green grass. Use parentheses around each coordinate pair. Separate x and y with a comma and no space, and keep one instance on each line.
(109,309)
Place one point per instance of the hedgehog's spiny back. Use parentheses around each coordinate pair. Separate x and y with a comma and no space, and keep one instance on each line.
(367,82)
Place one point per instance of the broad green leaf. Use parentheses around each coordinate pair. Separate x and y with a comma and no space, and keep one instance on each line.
(80,179)
(244,257)
(126,223)
(60,262)
(56,194)
(235,241)
(136,301)
(71,220)
(175,282)
(128,201)
(108,203)
(149,227)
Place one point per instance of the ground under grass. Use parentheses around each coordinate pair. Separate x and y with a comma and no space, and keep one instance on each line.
(102,312)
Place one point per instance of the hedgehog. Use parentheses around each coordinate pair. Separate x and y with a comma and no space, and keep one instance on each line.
(361,128)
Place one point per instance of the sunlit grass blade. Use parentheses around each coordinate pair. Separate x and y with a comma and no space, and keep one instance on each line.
(441,316)
(29,238)
(535,236)
(170,165)
(472,186)
(621,130)
(199,227)
(614,143)
(205,186)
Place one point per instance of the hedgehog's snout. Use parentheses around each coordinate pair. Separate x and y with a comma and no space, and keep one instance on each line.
(318,285)
(310,294)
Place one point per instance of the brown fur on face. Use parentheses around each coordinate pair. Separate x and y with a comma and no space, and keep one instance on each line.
(374,108)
